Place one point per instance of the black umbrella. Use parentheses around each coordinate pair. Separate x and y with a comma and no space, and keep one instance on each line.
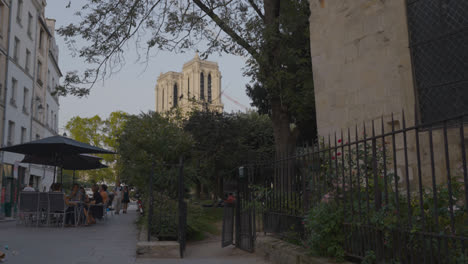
(56,148)
(55,145)
(68,162)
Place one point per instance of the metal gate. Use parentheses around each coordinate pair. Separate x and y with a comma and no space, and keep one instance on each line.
(227,238)
(182,211)
(242,214)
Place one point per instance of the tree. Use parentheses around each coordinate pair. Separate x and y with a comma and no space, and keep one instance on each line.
(272,33)
(102,133)
(225,141)
(149,142)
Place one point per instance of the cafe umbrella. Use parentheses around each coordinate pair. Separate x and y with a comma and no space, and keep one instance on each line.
(57,147)
(72,162)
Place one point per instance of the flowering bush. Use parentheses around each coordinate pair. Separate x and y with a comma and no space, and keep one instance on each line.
(348,182)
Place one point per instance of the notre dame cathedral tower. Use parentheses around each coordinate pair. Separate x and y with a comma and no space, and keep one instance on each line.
(196,87)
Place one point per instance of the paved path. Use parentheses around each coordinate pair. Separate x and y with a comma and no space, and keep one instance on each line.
(111,242)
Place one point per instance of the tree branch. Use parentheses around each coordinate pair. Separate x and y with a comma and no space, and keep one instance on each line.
(228,30)
(255,7)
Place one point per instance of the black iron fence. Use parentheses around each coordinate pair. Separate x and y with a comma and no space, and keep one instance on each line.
(403,189)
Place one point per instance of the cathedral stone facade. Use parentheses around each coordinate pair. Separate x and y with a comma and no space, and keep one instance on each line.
(198,86)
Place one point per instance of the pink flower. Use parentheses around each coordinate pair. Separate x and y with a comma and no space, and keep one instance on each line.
(338,154)
(339,140)
(333,158)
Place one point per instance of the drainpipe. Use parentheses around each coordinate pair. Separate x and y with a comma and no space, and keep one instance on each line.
(2,140)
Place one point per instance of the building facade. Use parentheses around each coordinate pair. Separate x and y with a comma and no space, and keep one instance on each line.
(198,86)
(4,38)
(27,72)
(373,58)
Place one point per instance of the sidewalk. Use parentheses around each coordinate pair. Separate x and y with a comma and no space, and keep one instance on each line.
(111,242)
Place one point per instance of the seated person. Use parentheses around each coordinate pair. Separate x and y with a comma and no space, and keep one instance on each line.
(104,195)
(85,201)
(57,187)
(95,211)
(69,201)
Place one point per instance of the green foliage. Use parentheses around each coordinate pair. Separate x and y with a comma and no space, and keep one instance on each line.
(150,141)
(344,176)
(101,133)
(292,82)
(224,141)
(324,227)
(202,220)
(370,258)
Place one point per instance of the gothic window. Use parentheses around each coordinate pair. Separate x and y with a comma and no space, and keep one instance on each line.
(202,86)
(209,88)
(439,57)
(175,96)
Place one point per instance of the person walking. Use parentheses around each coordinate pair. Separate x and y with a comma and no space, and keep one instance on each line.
(126,199)
(117,197)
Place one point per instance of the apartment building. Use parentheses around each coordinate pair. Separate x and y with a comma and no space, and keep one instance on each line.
(31,75)
(4,33)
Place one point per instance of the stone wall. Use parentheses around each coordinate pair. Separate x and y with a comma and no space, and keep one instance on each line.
(361,62)
(362,73)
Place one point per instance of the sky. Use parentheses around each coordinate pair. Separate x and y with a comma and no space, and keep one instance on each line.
(132,89)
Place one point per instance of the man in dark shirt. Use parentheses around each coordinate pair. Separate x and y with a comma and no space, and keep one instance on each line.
(96,206)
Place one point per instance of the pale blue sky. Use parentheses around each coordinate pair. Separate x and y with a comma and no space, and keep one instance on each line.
(132,89)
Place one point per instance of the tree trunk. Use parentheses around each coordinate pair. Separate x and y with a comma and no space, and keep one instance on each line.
(285,139)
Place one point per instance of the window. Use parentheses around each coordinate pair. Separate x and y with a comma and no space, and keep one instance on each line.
(11,133)
(30,18)
(39,72)
(48,80)
(175,96)
(438,41)
(23,135)
(14,87)
(41,33)
(19,11)
(202,86)
(25,100)
(209,88)
(28,60)
(16,49)
(47,115)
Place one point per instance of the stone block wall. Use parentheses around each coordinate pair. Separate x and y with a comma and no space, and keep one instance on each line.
(361,61)
(362,72)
